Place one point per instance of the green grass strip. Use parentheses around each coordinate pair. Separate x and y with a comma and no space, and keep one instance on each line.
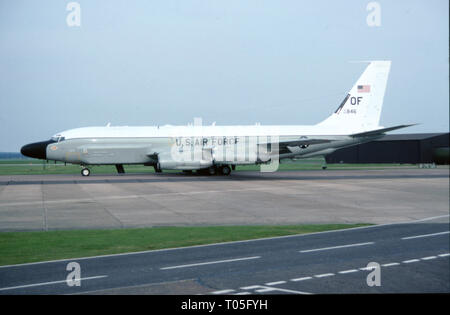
(26,247)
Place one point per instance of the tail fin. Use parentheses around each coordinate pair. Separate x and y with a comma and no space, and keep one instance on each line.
(361,108)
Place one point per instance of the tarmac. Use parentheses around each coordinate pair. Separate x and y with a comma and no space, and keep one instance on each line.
(379,196)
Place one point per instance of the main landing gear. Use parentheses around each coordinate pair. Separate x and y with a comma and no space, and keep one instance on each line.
(157,168)
(216,170)
(225,170)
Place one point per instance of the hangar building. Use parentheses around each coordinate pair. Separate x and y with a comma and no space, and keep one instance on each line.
(397,148)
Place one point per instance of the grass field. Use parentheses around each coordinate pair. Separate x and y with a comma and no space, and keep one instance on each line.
(26,247)
(32,166)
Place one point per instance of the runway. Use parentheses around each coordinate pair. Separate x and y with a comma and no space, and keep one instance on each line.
(53,202)
(411,258)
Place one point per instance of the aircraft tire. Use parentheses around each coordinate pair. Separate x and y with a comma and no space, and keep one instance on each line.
(212,171)
(85,172)
(225,170)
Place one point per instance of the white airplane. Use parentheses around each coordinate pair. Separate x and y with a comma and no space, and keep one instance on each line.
(218,149)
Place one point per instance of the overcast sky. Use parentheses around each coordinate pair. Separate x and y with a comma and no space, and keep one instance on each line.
(233,62)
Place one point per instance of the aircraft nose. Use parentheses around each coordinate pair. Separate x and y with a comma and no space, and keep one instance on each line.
(37,150)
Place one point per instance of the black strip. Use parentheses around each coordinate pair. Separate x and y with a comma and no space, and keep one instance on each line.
(342,104)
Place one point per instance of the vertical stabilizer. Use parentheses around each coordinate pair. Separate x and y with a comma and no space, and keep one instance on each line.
(361,108)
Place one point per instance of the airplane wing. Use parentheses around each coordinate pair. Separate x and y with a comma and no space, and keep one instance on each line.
(285,145)
(379,131)
(298,143)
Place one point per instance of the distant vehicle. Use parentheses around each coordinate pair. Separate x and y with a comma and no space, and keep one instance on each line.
(218,149)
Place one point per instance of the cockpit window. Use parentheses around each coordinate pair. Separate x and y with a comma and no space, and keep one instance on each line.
(58,138)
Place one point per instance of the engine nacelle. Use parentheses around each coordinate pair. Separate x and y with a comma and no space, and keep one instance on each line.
(184,165)
(203,157)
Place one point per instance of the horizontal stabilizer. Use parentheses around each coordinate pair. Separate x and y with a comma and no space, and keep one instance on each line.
(379,131)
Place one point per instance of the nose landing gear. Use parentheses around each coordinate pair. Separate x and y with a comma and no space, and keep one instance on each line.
(85,171)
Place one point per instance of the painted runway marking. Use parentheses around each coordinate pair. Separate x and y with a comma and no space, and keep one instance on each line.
(428,258)
(348,271)
(367,268)
(267,287)
(48,283)
(265,290)
(390,264)
(425,235)
(210,263)
(410,261)
(223,291)
(324,275)
(275,283)
(250,287)
(301,279)
(336,247)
